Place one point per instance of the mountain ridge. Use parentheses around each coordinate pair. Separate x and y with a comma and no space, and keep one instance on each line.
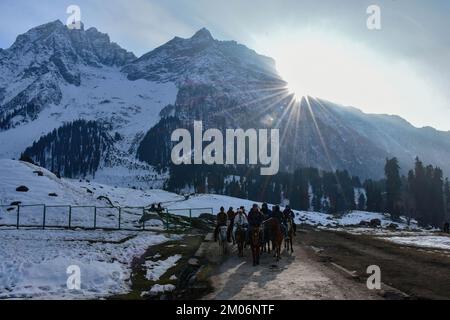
(52,76)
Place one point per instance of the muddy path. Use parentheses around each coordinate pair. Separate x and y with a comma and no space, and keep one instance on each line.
(419,272)
(300,276)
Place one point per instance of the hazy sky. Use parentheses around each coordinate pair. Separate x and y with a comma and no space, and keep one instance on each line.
(323,48)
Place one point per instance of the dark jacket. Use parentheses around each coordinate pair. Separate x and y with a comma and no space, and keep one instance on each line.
(255,218)
(222,219)
(277,214)
(231,214)
(288,213)
(267,213)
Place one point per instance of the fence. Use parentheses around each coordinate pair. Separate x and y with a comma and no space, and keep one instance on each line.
(41,216)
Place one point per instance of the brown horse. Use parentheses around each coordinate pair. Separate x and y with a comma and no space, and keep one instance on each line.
(276,236)
(240,240)
(265,246)
(255,244)
(290,235)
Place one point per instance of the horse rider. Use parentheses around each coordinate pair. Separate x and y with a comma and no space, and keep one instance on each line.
(255,219)
(222,221)
(231,214)
(159,209)
(278,215)
(240,221)
(289,214)
(243,211)
(266,211)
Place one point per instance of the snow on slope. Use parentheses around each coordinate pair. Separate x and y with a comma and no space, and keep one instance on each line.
(16,173)
(106,95)
(33,264)
(435,242)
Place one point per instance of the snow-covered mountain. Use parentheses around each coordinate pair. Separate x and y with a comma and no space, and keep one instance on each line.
(52,76)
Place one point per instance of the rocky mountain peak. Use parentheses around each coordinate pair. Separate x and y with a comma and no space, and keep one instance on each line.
(202,35)
(90,46)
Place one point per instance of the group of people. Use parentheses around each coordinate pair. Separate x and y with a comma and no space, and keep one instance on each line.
(156,208)
(254,219)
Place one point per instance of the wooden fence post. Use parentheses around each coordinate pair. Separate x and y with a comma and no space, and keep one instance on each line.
(95,218)
(120,216)
(43,217)
(18,216)
(70,217)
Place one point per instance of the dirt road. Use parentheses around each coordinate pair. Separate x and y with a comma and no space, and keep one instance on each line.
(300,276)
(419,272)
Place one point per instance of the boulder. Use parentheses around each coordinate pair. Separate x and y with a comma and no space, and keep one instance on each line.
(364,223)
(52,194)
(22,189)
(393,226)
(16,203)
(375,223)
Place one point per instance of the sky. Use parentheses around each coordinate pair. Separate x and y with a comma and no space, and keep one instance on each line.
(322,48)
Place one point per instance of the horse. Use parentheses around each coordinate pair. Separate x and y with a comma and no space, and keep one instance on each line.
(223,239)
(255,244)
(290,236)
(240,240)
(265,246)
(276,236)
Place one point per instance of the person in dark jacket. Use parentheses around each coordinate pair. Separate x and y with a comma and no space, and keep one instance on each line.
(255,220)
(277,214)
(267,213)
(289,214)
(222,220)
(255,217)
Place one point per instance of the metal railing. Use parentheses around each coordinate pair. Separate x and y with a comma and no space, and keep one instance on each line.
(42,216)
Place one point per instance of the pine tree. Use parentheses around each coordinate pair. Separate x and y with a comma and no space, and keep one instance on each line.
(362,202)
(393,186)
(447,199)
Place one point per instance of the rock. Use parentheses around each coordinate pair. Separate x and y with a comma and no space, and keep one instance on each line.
(16,203)
(364,223)
(22,189)
(375,223)
(39,173)
(52,194)
(393,226)
(89,191)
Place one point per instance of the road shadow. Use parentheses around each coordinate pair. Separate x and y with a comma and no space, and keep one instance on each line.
(240,274)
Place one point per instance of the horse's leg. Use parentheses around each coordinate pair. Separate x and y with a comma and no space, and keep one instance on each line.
(279,252)
(258,254)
